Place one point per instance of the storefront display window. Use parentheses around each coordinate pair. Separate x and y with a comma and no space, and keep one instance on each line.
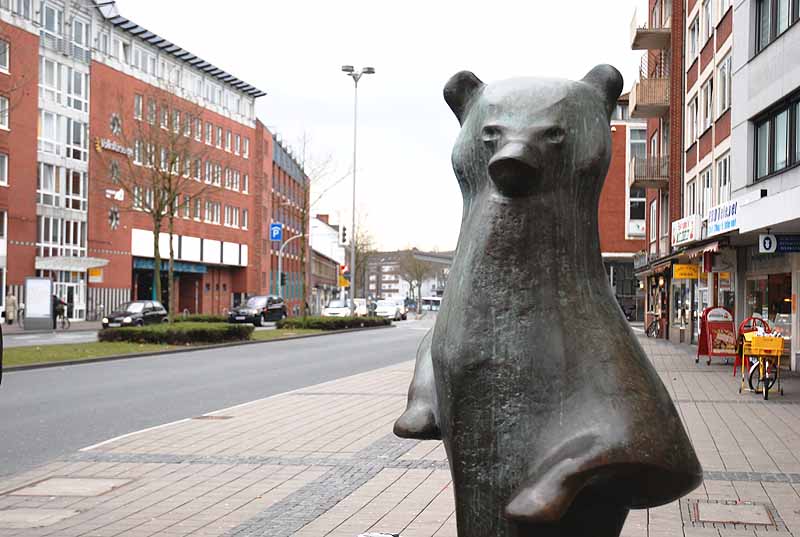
(681,302)
(770,297)
(701,302)
(726,293)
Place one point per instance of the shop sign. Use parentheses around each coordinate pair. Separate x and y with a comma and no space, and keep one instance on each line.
(104,143)
(686,230)
(95,275)
(781,244)
(685,272)
(723,218)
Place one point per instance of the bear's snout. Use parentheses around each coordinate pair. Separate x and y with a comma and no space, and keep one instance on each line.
(514,169)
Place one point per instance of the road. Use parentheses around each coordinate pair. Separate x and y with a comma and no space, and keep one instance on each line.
(50,412)
(64,336)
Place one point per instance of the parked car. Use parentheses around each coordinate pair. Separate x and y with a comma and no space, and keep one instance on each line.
(388,309)
(258,310)
(336,308)
(136,313)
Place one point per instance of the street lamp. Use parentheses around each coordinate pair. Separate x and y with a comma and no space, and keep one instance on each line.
(356,76)
(280,262)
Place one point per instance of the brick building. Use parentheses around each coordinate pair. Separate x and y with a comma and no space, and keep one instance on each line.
(81,222)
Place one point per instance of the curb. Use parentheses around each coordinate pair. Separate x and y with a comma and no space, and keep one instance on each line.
(182,350)
(33,332)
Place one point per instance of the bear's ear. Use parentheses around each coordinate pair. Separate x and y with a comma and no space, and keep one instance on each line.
(608,81)
(459,90)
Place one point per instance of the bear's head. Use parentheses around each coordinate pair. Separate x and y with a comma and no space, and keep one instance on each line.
(531,135)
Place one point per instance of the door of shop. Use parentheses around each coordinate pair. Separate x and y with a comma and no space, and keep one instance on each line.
(71,288)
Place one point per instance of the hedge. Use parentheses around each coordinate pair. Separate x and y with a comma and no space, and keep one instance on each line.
(332,323)
(200,318)
(179,334)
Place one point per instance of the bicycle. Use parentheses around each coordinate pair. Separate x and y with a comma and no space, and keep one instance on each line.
(654,328)
(62,321)
(763,375)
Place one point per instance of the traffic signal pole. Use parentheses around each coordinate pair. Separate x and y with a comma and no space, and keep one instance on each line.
(280,263)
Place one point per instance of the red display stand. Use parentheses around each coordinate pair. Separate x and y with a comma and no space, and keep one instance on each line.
(717,334)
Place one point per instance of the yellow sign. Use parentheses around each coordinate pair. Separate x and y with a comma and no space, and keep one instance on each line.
(95,275)
(343,282)
(685,272)
(724,275)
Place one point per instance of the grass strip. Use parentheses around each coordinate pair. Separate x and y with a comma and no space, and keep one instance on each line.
(41,354)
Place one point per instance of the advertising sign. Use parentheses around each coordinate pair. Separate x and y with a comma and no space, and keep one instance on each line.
(717,334)
(95,275)
(38,303)
(723,218)
(686,230)
(685,272)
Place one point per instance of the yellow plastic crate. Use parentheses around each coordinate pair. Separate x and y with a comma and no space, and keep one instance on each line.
(762,345)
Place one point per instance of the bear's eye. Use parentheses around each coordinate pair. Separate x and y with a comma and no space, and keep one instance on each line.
(491,134)
(554,135)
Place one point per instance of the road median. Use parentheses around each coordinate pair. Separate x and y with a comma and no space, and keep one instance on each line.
(43,356)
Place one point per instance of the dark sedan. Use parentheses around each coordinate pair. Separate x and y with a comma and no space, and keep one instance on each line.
(259,309)
(137,313)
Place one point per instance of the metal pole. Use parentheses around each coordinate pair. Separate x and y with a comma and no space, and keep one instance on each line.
(280,262)
(353,228)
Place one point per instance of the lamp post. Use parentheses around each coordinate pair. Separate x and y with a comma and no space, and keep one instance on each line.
(280,262)
(356,76)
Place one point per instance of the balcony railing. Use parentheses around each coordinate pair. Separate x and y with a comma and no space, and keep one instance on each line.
(649,172)
(652,35)
(650,94)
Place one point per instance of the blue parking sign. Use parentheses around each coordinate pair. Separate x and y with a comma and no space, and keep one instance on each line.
(276,232)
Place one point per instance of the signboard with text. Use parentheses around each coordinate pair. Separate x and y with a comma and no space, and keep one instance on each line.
(717,334)
(723,218)
(685,272)
(686,230)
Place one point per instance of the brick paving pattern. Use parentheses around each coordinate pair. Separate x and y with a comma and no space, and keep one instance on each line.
(322,462)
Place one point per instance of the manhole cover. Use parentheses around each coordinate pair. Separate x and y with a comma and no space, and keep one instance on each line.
(70,486)
(33,518)
(740,513)
(212,417)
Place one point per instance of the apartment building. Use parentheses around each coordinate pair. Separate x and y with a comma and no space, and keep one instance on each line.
(81,135)
(765,171)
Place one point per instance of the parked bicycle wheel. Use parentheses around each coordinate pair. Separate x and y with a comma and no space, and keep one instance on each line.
(653,329)
(64,322)
(761,384)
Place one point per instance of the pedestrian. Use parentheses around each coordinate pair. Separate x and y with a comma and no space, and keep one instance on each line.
(11,308)
(58,309)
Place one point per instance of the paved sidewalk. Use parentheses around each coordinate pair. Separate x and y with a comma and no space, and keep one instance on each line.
(75,326)
(322,461)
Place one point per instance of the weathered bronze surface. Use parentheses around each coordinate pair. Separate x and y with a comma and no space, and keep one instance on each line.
(554,421)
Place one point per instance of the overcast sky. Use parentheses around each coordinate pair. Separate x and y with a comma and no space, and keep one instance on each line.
(294,49)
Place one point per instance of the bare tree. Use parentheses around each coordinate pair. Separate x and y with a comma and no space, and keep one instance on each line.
(415,270)
(159,166)
(365,248)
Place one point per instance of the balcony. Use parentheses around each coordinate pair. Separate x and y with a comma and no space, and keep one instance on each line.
(649,97)
(652,35)
(649,172)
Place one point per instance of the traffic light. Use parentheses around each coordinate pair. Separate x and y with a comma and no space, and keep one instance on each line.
(344,276)
(342,235)
(283,279)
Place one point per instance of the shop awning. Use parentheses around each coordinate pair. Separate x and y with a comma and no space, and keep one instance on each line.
(700,250)
(69,264)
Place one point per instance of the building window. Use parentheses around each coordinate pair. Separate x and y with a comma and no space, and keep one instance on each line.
(228,136)
(3,169)
(244,218)
(217,174)
(164,117)
(4,113)
(691,198)
(198,129)
(138,148)
(237,145)
(706,188)
(636,211)
(708,20)
(707,92)
(176,121)
(653,221)
(724,85)
(246,148)
(724,179)
(187,126)
(196,214)
(235,180)
(219,137)
(694,38)
(209,171)
(245,183)
(209,133)
(4,50)
(77,143)
(52,20)
(151,111)
(137,106)
(691,121)
(775,147)
(197,169)
(773,17)
(187,205)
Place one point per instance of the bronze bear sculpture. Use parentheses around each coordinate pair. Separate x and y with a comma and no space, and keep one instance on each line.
(554,421)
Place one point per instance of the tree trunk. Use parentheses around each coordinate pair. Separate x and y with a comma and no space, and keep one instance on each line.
(171,273)
(156,261)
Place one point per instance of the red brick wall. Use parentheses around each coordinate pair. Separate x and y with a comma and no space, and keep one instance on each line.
(676,111)
(707,54)
(691,157)
(722,127)
(725,27)
(704,145)
(263,188)
(613,206)
(113,92)
(691,75)
(20,86)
